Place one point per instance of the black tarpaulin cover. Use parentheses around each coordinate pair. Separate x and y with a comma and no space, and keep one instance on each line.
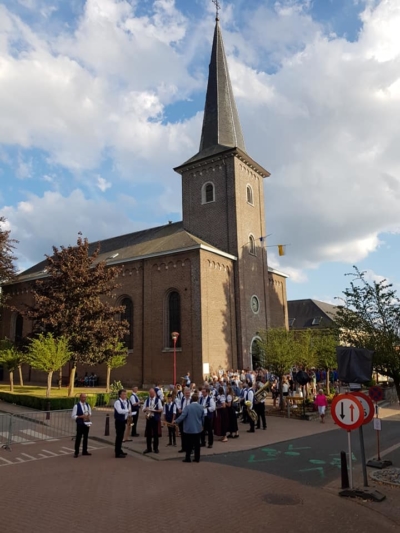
(354,364)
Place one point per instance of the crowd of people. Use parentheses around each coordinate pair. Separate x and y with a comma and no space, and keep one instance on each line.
(200,415)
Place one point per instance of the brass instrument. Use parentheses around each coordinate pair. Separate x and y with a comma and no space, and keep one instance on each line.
(261,394)
(252,414)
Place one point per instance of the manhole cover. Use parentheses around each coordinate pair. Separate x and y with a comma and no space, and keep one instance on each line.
(281,499)
(390,476)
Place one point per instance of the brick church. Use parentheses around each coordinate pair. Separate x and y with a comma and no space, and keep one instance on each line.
(206,277)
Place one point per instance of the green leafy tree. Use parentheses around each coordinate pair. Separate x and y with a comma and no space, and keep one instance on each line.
(115,357)
(304,349)
(7,258)
(369,317)
(325,343)
(12,359)
(75,301)
(278,348)
(48,354)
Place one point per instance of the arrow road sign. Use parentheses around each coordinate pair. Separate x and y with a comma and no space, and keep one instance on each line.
(347,411)
(367,404)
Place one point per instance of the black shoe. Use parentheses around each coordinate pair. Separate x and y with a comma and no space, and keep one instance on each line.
(196,460)
(86,453)
(137,435)
(258,427)
(209,446)
(181,451)
(123,453)
(186,461)
(146,451)
(264,428)
(76,455)
(156,451)
(120,456)
(174,444)
(202,445)
(169,444)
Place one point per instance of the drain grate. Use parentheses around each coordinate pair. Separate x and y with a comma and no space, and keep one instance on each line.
(282,499)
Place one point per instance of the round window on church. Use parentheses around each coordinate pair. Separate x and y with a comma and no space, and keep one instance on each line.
(255,304)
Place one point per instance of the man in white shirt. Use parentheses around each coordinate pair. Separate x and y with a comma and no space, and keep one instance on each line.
(81,413)
(121,411)
(208,404)
(186,400)
(135,406)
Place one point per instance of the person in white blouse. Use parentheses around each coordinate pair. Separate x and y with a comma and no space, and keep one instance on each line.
(81,413)
(121,411)
(208,404)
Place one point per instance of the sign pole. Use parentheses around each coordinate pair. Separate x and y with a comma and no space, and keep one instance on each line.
(376,394)
(350,460)
(363,460)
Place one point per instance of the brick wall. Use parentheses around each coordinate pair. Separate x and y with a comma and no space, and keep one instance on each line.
(278,301)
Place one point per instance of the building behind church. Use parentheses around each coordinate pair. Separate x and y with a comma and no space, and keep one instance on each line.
(206,277)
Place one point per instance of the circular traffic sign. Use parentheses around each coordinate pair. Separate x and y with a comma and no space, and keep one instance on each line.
(375,393)
(347,411)
(367,405)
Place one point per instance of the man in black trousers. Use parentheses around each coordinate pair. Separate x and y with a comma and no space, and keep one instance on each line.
(121,411)
(81,414)
(193,419)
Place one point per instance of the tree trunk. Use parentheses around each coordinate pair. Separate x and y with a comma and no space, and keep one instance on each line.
(108,379)
(328,390)
(396,382)
(11,380)
(60,379)
(21,379)
(49,379)
(72,381)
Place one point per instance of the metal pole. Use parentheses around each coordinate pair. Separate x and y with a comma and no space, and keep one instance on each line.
(175,361)
(363,460)
(350,460)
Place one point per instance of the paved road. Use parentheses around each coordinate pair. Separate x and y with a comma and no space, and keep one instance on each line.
(100,494)
(312,460)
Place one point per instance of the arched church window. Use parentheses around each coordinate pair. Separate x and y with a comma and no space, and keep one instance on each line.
(252,245)
(250,199)
(19,329)
(208,193)
(174,318)
(127,315)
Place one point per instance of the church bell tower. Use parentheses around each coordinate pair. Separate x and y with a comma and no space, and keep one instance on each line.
(223,201)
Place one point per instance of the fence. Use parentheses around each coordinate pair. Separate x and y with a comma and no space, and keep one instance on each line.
(25,428)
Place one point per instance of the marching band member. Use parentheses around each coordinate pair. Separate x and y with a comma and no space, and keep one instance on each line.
(243,399)
(135,406)
(233,431)
(221,418)
(121,411)
(186,400)
(259,408)
(250,398)
(159,391)
(153,409)
(169,416)
(208,404)
(81,414)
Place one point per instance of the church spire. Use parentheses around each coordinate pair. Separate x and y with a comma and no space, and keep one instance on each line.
(221,124)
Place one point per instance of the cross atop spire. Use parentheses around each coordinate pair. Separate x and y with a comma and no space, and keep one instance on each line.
(218,8)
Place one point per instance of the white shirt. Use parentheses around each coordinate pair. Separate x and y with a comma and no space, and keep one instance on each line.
(185,401)
(122,409)
(285,387)
(134,399)
(203,401)
(250,397)
(85,407)
(173,409)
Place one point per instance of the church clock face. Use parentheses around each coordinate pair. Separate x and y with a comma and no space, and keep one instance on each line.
(255,304)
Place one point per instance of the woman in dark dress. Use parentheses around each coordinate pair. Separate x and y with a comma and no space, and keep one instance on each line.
(233,430)
(221,416)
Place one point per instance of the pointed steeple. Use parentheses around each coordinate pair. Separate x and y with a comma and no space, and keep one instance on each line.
(221,124)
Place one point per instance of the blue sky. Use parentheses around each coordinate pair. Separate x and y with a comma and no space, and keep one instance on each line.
(100,99)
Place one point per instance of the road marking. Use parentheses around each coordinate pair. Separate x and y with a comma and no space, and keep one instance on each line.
(387,451)
(69,449)
(51,453)
(6,460)
(29,456)
(15,438)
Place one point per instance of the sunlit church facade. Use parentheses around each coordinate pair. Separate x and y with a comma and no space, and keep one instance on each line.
(206,277)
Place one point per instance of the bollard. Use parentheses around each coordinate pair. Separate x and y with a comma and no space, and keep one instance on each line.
(48,410)
(344,472)
(107,428)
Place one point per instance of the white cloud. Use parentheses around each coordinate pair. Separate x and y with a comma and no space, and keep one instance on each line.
(103,184)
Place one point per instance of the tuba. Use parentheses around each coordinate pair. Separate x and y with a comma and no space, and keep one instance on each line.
(261,394)
(252,414)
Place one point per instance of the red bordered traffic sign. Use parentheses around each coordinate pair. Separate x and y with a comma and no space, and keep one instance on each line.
(347,411)
(375,393)
(367,404)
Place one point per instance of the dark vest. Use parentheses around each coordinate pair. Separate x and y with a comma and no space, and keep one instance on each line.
(169,411)
(205,405)
(118,416)
(79,412)
(157,416)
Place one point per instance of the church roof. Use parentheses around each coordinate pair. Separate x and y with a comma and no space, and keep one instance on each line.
(309,313)
(221,124)
(162,240)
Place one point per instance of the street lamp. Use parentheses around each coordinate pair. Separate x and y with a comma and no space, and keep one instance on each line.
(175,336)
